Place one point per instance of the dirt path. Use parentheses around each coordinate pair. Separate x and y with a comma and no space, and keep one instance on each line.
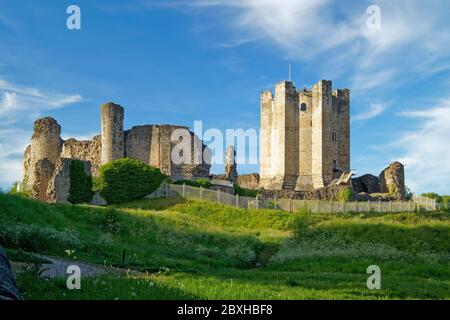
(58,267)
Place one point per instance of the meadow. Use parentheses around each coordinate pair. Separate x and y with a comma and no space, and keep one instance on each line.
(177,249)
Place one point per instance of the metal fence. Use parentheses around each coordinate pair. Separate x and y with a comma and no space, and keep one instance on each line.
(292,205)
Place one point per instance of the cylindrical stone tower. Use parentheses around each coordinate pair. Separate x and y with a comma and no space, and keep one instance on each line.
(112,132)
(46,140)
(44,152)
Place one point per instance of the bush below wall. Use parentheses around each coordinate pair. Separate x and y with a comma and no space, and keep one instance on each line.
(127,179)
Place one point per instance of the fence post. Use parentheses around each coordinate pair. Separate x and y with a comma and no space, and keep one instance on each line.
(184,190)
(166,189)
(275,204)
(344,207)
(236,198)
(331,206)
(368,205)
(380,206)
(290,204)
(257,202)
(390,205)
(218,195)
(201,192)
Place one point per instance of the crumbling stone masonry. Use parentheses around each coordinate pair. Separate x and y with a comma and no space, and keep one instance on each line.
(41,156)
(230,164)
(305,136)
(59,185)
(47,157)
(248,181)
(390,182)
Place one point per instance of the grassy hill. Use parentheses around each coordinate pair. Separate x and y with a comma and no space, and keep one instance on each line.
(172,249)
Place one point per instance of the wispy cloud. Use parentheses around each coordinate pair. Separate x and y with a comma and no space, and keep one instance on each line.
(425,150)
(19,102)
(19,106)
(374,110)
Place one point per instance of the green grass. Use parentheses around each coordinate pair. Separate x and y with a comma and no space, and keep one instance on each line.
(199,250)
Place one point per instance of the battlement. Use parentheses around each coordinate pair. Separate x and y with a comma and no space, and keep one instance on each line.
(266,96)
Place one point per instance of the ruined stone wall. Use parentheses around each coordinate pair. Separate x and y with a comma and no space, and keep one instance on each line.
(200,159)
(86,150)
(392,180)
(42,172)
(138,143)
(112,116)
(165,149)
(304,182)
(26,164)
(248,181)
(152,144)
(322,146)
(230,164)
(58,190)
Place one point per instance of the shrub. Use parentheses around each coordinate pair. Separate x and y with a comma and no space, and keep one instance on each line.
(37,238)
(433,195)
(96,183)
(13,188)
(127,179)
(246,192)
(195,183)
(301,224)
(345,195)
(445,203)
(80,184)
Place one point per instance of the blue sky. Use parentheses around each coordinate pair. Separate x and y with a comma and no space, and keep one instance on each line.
(180,61)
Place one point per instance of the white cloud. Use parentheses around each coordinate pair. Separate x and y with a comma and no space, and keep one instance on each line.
(12,145)
(18,102)
(425,150)
(374,110)
(20,105)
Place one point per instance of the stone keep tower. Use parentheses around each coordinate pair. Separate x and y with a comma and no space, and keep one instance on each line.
(305,136)
(112,132)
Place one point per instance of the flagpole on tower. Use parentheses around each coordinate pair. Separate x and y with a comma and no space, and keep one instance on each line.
(289,72)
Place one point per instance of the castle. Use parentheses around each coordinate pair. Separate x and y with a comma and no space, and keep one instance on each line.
(151,144)
(304,137)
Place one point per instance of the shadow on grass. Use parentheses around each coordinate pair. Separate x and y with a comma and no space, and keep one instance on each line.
(107,287)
